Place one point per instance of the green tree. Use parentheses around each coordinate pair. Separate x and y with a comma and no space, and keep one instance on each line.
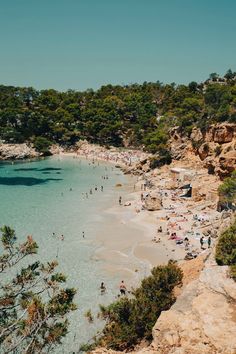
(33,305)
(42,145)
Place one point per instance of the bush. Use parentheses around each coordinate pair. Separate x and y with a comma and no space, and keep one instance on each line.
(129,320)
(227,190)
(233,271)
(42,145)
(226,247)
(163,158)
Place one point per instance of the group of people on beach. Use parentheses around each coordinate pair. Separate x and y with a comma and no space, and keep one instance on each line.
(122,287)
(202,241)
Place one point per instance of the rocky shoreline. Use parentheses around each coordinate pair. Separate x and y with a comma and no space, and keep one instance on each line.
(17,152)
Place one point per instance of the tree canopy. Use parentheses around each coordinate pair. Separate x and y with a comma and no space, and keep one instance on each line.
(140,114)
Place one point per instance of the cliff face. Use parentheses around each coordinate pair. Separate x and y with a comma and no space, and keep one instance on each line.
(203,318)
(215,149)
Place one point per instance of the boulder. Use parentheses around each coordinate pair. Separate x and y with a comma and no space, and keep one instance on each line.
(153,201)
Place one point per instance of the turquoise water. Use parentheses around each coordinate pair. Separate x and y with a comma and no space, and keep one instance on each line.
(49,196)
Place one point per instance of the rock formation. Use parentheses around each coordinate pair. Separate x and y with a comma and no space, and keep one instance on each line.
(17,152)
(153,201)
(215,149)
(203,318)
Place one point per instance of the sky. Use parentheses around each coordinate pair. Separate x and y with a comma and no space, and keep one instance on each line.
(81,44)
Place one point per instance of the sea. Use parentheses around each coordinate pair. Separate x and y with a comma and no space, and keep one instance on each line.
(60,201)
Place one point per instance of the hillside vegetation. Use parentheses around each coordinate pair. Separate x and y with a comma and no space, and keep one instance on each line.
(134,115)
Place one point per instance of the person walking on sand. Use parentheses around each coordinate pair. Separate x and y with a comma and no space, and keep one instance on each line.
(202,242)
(120,200)
(209,241)
(122,288)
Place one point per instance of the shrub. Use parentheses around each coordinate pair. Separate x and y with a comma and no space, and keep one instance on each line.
(129,320)
(42,145)
(226,247)
(227,190)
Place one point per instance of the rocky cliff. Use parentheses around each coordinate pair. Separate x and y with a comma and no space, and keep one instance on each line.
(214,149)
(17,152)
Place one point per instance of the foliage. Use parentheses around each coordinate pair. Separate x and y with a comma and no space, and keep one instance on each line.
(89,316)
(227,190)
(42,145)
(226,247)
(233,271)
(143,113)
(129,320)
(87,347)
(33,305)
(163,158)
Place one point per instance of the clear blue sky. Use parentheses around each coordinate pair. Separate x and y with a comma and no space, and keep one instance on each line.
(83,44)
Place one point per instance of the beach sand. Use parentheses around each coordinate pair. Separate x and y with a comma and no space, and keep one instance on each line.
(130,249)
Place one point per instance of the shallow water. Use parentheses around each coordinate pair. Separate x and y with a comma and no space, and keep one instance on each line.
(49,196)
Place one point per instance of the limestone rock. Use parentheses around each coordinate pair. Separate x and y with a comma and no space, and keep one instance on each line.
(153,201)
(221,133)
(17,151)
(203,318)
(196,135)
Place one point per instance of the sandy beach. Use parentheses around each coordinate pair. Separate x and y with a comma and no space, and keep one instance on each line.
(144,238)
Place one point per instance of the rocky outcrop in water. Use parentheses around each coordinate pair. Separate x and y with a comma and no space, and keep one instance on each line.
(17,152)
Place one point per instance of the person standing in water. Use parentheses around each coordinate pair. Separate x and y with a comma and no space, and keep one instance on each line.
(122,288)
(83,234)
(102,288)
(120,200)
